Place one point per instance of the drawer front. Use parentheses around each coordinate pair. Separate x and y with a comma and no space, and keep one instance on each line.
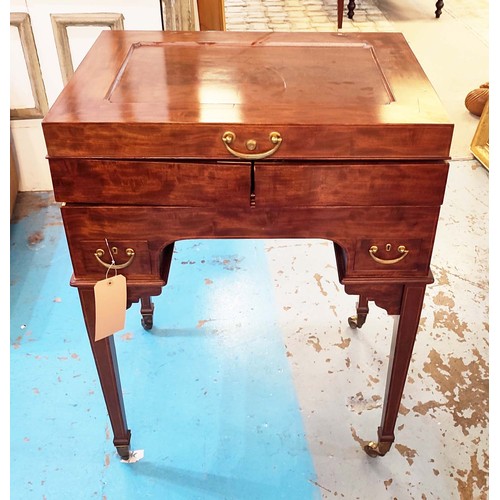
(92,258)
(148,230)
(364,184)
(150,182)
(390,254)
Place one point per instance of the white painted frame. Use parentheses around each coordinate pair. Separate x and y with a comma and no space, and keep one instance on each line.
(22,21)
(60,24)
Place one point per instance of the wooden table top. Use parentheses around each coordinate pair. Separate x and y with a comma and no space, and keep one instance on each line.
(311,86)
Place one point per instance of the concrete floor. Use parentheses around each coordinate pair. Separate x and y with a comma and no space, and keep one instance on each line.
(251,385)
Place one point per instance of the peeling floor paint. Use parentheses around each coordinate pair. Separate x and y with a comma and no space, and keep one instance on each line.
(441,447)
(464,386)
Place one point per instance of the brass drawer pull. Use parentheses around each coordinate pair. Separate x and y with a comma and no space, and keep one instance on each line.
(130,254)
(401,249)
(229,137)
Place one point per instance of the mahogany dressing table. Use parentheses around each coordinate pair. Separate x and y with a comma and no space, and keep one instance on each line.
(163,136)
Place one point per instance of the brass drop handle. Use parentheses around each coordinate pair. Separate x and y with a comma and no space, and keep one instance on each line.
(229,137)
(401,249)
(130,252)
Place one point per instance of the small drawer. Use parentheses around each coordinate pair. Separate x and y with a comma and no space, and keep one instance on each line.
(391,254)
(131,257)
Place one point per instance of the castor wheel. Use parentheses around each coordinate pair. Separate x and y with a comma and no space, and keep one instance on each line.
(353,321)
(122,445)
(123,451)
(377,449)
(356,321)
(147,322)
(147,311)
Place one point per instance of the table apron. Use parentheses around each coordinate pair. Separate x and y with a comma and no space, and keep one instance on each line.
(403,236)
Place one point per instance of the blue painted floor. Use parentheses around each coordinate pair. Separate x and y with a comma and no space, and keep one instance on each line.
(208,391)
(252,385)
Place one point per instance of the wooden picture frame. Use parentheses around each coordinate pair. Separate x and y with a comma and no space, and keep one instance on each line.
(480,145)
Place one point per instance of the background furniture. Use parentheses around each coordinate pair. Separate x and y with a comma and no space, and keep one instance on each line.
(352,5)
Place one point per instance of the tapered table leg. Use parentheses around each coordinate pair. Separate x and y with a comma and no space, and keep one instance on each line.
(405,331)
(107,369)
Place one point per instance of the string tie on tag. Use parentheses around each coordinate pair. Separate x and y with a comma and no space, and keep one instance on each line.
(112,259)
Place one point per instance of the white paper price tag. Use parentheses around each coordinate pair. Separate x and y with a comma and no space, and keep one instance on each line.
(110,306)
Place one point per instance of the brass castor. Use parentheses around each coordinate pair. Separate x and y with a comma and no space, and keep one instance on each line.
(377,449)
(356,321)
(147,311)
(147,322)
(122,446)
(353,321)
(123,451)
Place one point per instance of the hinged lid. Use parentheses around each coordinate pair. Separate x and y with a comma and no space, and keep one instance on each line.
(223,94)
